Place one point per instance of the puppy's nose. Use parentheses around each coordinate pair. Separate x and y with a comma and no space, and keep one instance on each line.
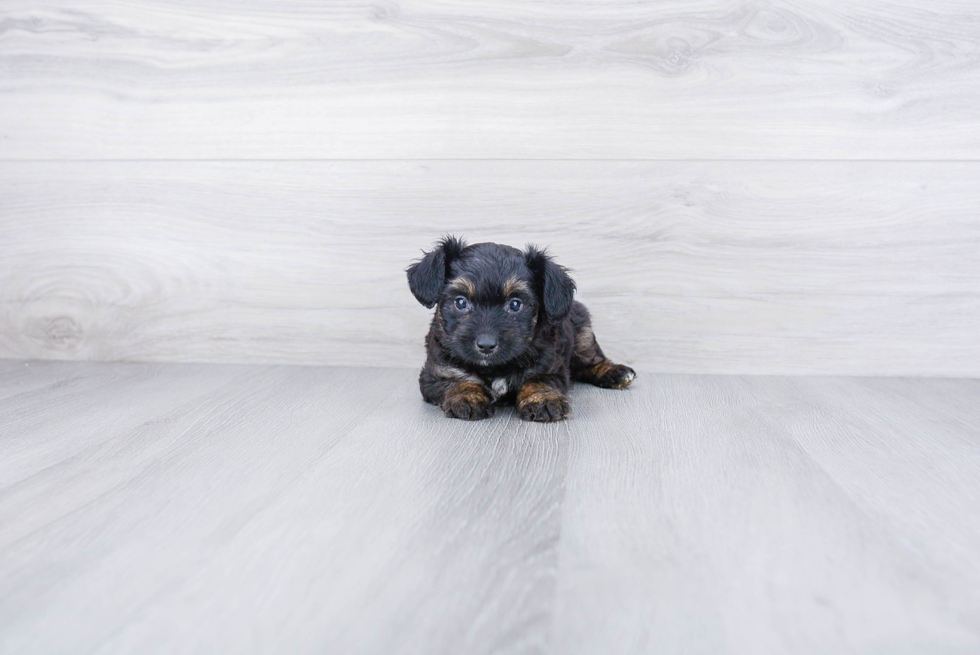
(486,343)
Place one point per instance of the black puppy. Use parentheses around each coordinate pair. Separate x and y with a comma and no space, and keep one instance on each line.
(506,330)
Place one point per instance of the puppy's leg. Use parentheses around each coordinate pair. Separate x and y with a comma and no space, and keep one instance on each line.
(589,364)
(457,393)
(542,398)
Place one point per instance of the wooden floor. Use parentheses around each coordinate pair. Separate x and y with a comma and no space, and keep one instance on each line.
(206,508)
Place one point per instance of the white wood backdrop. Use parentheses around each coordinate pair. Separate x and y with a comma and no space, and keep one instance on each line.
(761,187)
(691,266)
(490,79)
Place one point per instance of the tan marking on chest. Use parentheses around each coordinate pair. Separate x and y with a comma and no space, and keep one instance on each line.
(452,373)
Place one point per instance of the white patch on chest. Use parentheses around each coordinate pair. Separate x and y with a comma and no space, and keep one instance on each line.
(499,387)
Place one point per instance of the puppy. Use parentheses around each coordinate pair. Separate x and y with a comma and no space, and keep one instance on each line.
(505,330)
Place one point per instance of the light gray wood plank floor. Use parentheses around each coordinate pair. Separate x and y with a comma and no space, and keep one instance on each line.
(222,508)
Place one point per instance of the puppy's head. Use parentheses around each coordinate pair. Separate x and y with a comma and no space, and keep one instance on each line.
(491,298)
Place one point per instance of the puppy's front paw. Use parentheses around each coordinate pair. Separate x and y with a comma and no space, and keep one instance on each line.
(467,408)
(616,376)
(468,401)
(544,409)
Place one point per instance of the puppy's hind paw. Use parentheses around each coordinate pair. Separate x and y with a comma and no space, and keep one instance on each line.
(467,409)
(544,410)
(616,376)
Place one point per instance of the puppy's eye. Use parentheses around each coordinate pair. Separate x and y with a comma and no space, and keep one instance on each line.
(515,305)
(461,303)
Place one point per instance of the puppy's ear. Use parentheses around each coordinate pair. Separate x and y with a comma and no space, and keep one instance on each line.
(427,277)
(554,286)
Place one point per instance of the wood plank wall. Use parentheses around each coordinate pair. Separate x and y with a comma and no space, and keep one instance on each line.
(744,187)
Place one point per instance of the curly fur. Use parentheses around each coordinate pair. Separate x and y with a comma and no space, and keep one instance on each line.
(506,330)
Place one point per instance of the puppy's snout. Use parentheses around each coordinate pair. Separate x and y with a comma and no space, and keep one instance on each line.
(486,343)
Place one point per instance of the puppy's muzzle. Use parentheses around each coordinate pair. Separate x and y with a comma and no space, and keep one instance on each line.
(486,343)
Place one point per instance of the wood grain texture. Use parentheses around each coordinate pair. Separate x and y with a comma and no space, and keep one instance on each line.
(191,508)
(725,267)
(771,515)
(491,79)
(210,508)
